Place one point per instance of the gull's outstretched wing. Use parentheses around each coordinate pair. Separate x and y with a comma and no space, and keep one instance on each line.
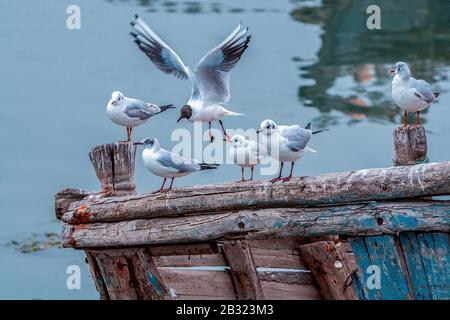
(164,58)
(297,137)
(213,71)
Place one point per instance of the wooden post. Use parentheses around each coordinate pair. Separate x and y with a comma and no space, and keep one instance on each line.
(410,145)
(114,166)
(243,270)
(332,268)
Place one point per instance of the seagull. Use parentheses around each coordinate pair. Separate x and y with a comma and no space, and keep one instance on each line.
(130,113)
(166,164)
(245,153)
(410,94)
(210,78)
(286,143)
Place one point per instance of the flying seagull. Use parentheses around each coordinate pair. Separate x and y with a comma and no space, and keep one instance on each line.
(246,153)
(130,113)
(166,164)
(210,78)
(286,143)
(410,94)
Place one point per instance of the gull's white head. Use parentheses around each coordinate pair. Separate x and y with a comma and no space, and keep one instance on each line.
(267,127)
(116,98)
(149,143)
(402,70)
(238,141)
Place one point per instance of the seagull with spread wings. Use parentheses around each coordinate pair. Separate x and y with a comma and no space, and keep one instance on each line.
(210,78)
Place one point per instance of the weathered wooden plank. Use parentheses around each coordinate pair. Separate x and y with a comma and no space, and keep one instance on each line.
(359,279)
(117,277)
(183,283)
(330,189)
(435,253)
(381,252)
(281,258)
(289,291)
(410,145)
(416,269)
(148,283)
(114,166)
(369,218)
(65,197)
(289,277)
(184,249)
(196,260)
(97,276)
(329,264)
(242,269)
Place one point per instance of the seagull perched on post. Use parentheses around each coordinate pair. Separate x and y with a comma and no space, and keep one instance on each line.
(245,153)
(130,113)
(410,94)
(209,80)
(286,143)
(166,164)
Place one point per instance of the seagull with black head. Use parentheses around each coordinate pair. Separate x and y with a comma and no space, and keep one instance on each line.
(210,78)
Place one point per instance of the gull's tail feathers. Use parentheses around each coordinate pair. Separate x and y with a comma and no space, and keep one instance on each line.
(310,150)
(309,127)
(166,107)
(206,166)
(231,113)
(319,131)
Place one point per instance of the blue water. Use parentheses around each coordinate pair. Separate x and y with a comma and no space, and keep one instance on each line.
(307,62)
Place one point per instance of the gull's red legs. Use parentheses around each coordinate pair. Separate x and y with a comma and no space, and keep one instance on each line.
(223,129)
(279,176)
(162,186)
(290,174)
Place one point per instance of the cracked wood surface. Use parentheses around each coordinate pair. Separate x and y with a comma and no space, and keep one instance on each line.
(356,219)
(400,182)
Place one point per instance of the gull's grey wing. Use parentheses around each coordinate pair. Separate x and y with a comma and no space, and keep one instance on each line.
(423,91)
(164,58)
(140,109)
(213,71)
(182,165)
(297,137)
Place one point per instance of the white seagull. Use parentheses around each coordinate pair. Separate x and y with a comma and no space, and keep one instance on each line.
(210,79)
(130,113)
(410,94)
(166,164)
(286,143)
(246,153)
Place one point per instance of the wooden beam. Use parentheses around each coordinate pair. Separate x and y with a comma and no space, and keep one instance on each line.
(129,273)
(410,145)
(65,197)
(242,269)
(355,219)
(97,276)
(332,268)
(422,180)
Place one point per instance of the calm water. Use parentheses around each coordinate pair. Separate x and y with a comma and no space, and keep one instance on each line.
(307,61)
